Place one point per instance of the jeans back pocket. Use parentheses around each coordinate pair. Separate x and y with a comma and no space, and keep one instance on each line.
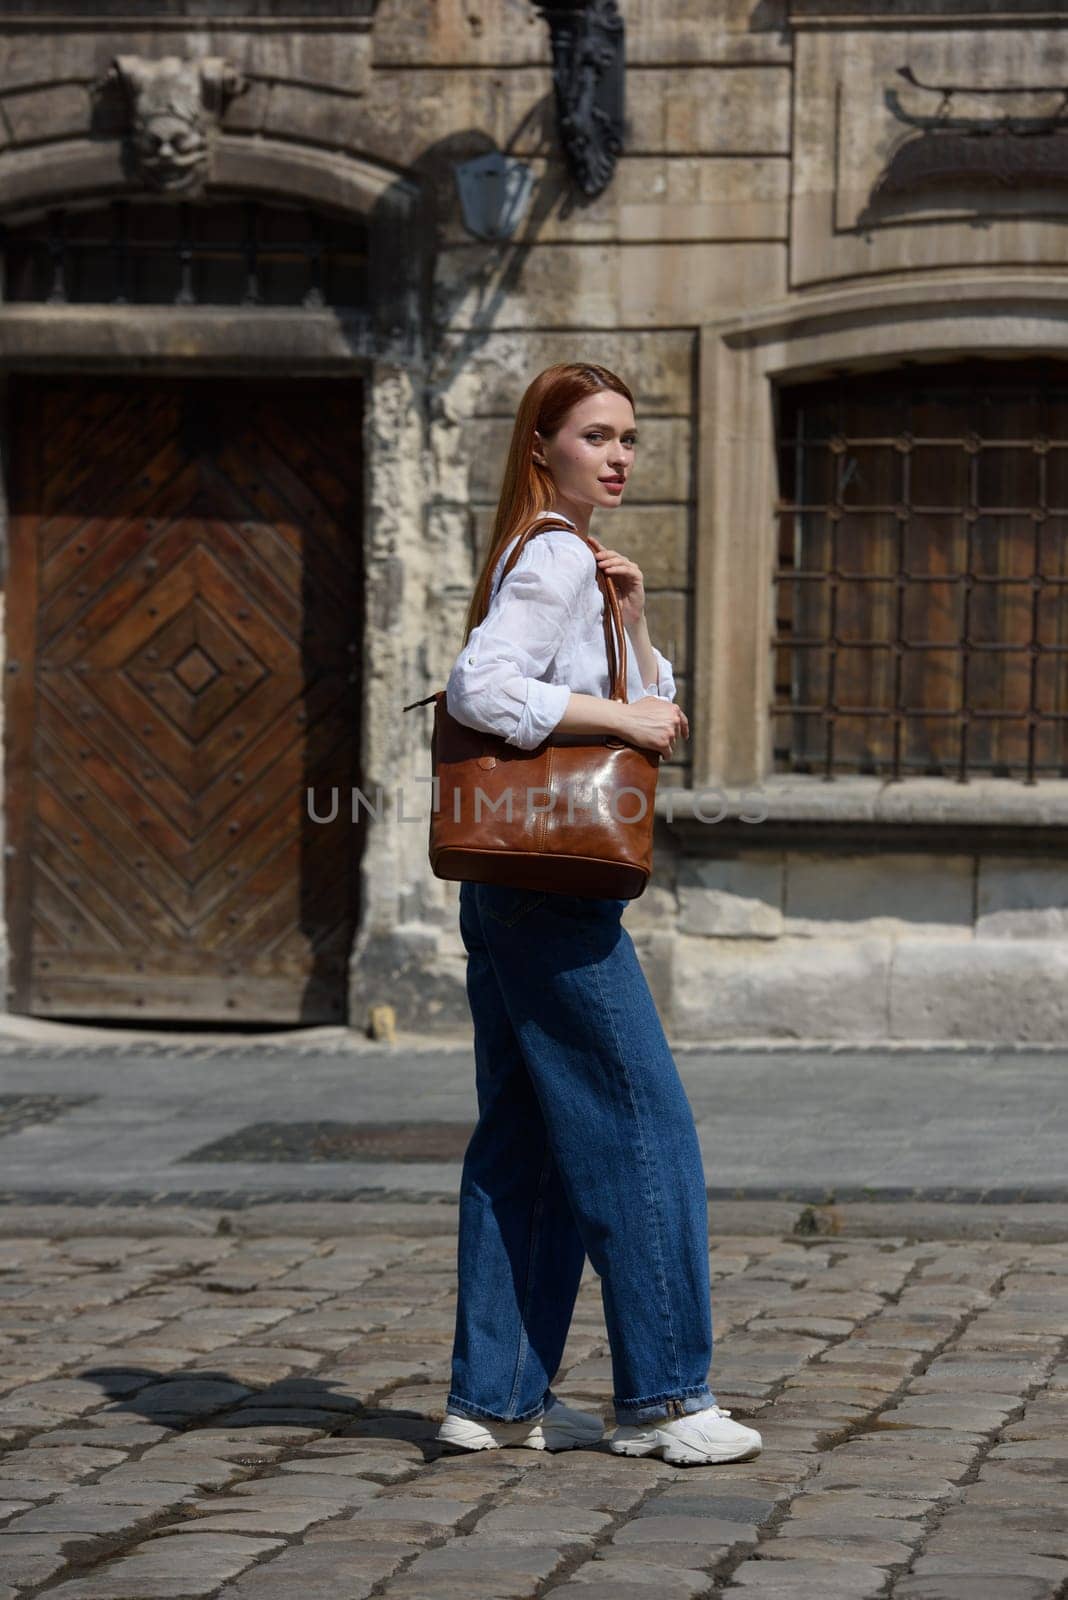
(509,906)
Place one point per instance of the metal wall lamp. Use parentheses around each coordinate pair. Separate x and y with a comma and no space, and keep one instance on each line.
(588,63)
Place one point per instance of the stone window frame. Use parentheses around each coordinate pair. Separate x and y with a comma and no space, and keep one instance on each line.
(854,329)
(390,328)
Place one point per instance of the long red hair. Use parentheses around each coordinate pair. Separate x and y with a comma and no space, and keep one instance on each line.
(526,487)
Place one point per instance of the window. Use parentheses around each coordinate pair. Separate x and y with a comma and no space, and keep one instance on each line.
(921,590)
(224,251)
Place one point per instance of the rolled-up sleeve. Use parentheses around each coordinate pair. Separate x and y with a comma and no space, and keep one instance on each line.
(664,688)
(497,681)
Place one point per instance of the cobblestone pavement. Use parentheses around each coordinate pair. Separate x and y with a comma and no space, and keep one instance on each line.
(244,1404)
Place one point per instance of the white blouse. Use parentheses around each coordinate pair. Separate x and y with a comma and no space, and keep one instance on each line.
(541,638)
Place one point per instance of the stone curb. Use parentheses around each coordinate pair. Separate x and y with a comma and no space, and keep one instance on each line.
(31,1036)
(423,1216)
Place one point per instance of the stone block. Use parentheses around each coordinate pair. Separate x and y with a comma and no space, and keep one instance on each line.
(339,59)
(808,1579)
(323,1485)
(715,1503)
(314,115)
(656,366)
(349,1571)
(581,282)
(832,893)
(541,1518)
(705,111)
(405,115)
(697,281)
(274,1515)
(246,112)
(833,1524)
(189,1397)
(658,199)
(989,1563)
(668,198)
(973,1586)
(52,112)
(400,1506)
(1014,990)
(448,33)
(163,1569)
(667,613)
(202,1472)
(787,988)
(479,1558)
(74,1515)
(1022,899)
(40,57)
(657,538)
(863,1547)
(688,33)
(1042,1529)
(739,896)
(680,1529)
(58,1464)
(635,1581)
(30,1559)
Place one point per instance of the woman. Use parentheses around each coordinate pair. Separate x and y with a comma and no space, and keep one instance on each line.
(585,1143)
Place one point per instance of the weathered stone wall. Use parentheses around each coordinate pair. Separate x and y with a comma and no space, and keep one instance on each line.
(750,146)
(869,945)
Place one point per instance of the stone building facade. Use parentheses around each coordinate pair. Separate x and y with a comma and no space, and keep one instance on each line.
(258,385)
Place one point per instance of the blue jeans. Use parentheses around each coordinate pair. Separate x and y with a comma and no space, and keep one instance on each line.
(585,1145)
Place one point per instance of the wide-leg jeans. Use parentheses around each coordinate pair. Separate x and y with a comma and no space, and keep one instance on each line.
(585,1145)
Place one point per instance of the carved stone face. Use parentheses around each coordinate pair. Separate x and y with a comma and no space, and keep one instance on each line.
(174,110)
(171,151)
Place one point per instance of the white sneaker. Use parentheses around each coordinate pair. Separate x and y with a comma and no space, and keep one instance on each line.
(559,1427)
(706,1435)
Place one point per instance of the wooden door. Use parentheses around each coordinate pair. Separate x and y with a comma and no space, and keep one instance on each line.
(183,618)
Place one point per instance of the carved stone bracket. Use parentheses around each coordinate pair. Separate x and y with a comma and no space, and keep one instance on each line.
(970,134)
(174,110)
(588,65)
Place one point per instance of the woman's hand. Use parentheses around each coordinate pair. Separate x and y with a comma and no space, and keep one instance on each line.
(626,575)
(653,723)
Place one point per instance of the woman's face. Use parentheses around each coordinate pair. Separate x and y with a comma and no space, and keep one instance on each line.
(591,455)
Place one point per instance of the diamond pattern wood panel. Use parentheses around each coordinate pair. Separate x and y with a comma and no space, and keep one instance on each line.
(184,608)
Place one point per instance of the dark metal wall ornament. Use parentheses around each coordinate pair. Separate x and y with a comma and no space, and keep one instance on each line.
(588,67)
(1022,139)
(174,107)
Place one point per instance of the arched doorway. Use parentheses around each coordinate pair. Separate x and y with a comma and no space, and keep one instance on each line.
(185,596)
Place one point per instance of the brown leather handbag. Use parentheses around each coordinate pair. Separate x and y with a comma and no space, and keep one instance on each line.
(571,818)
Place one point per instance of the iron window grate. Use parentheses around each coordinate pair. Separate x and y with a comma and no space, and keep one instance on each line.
(223,251)
(921,590)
